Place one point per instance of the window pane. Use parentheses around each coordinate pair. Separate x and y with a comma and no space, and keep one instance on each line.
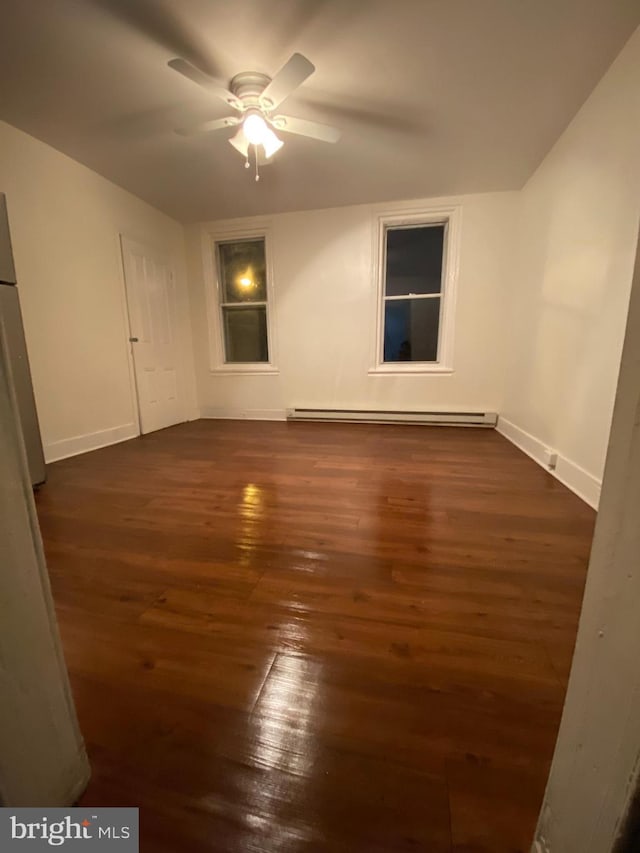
(243,271)
(411,329)
(414,260)
(245,334)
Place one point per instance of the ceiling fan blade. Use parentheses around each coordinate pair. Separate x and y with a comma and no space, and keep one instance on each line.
(313,129)
(201,79)
(207,126)
(290,76)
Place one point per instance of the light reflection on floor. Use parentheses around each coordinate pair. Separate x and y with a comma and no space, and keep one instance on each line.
(251,510)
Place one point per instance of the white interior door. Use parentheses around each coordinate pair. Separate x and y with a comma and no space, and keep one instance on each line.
(151,301)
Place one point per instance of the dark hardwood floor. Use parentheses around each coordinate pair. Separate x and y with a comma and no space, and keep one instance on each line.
(317,637)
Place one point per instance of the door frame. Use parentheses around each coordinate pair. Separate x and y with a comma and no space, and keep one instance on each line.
(124,241)
(595,775)
(42,752)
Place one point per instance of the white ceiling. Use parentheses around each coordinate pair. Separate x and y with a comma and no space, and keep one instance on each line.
(434,97)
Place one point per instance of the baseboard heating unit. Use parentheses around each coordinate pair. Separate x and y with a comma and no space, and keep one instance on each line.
(478,419)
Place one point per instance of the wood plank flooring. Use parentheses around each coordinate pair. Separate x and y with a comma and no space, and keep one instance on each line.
(317,637)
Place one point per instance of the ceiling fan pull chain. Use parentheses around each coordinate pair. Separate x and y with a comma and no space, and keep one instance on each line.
(255,149)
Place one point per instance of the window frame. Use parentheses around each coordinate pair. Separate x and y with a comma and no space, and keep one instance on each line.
(449,216)
(215,299)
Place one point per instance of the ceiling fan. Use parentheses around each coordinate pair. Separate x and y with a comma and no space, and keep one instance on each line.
(256,97)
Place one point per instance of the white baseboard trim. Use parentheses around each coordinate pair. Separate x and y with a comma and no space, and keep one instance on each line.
(221,413)
(584,484)
(56,450)
(571,475)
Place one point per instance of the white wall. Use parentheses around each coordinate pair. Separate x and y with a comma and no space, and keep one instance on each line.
(324,316)
(65,223)
(577,238)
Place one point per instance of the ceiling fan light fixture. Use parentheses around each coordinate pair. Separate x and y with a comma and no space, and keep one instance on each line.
(271,143)
(240,142)
(255,128)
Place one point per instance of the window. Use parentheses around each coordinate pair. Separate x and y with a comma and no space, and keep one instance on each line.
(416,281)
(243,339)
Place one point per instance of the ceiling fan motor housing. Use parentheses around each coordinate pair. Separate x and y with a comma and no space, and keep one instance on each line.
(248,86)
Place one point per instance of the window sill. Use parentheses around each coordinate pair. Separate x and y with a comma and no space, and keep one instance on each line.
(245,370)
(416,369)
